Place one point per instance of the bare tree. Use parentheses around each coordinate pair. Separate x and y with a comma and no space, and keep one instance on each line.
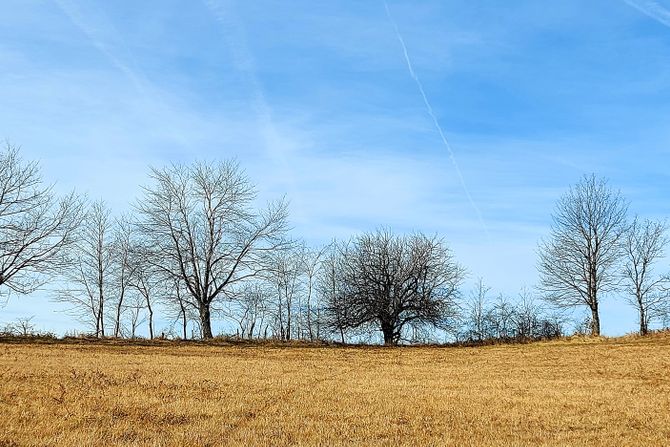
(579,261)
(22,327)
(396,282)
(249,309)
(145,281)
(89,279)
(135,306)
(312,261)
(335,314)
(199,222)
(502,318)
(527,318)
(178,307)
(285,276)
(477,313)
(644,245)
(122,268)
(35,225)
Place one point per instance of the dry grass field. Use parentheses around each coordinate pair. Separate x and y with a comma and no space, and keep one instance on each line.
(571,392)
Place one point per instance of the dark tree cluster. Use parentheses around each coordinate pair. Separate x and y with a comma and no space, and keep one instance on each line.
(391,283)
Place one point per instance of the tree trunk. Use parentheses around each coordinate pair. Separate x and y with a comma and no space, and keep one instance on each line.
(389,334)
(595,321)
(151,321)
(117,323)
(205,321)
(644,329)
(184,322)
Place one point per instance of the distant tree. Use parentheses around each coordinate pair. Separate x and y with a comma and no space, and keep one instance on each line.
(395,282)
(177,305)
(250,308)
(36,226)
(312,262)
(477,315)
(579,261)
(334,314)
(22,327)
(201,228)
(644,245)
(285,276)
(146,281)
(89,281)
(528,316)
(122,268)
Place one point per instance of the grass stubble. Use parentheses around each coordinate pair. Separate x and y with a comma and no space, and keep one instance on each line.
(570,392)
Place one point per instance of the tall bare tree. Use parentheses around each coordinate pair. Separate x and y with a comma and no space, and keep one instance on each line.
(312,262)
(285,276)
(396,282)
(200,225)
(145,281)
(579,261)
(122,268)
(335,316)
(644,245)
(35,225)
(89,280)
(477,313)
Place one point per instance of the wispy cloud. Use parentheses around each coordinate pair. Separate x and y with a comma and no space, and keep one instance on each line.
(276,144)
(73,12)
(653,9)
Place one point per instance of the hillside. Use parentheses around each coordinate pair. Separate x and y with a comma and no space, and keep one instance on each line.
(568,392)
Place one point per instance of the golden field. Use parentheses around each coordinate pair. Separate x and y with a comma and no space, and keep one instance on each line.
(570,392)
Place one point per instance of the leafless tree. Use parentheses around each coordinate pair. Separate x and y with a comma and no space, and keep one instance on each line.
(145,281)
(644,245)
(579,261)
(477,313)
(335,314)
(285,276)
(527,318)
(502,317)
(122,267)
(199,222)
(177,306)
(396,282)
(249,309)
(135,306)
(312,261)
(22,327)
(35,225)
(89,280)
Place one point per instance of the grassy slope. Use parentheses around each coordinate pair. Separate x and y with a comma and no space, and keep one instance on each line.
(569,392)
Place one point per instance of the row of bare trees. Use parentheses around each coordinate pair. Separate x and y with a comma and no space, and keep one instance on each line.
(524,317)
(196,250)
(595,250)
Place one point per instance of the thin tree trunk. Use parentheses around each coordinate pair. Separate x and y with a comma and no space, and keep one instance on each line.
(151,319)
(117,323)
(644,329)
(595,321)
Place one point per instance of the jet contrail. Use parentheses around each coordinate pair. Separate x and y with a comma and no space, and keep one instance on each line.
(75,16)
(652,9)
(429,108)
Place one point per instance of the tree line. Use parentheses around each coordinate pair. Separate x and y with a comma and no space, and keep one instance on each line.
(196,249)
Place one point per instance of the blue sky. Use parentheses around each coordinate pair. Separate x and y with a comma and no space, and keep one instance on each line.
(316,101)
